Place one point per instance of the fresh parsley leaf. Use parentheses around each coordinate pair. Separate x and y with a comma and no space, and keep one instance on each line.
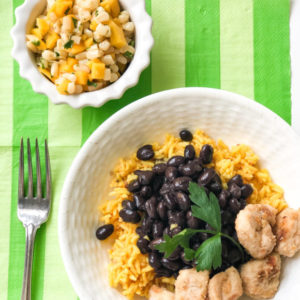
(36,43)
(56,54)
(128,54)
(209,254)
(91,83)
(132,43)
(75,22)
(206,208)
(189,254)
(96,13)
(68,44)
(67,10)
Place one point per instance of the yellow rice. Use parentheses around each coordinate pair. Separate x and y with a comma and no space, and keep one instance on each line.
(129,269)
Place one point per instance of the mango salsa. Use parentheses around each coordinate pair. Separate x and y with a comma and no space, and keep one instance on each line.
(112,7)
(117,38)
(98,70)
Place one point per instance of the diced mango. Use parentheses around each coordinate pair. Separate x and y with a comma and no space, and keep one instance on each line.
(112,7)
(76,48)
(51,39)
(46,72)
(117,38)
(63,86)
(81,77)
(42,25)
(37,33)
(88,43)
(60,8)
(41,46)
(93,25)
(89,64)
(67,67)
(98,70)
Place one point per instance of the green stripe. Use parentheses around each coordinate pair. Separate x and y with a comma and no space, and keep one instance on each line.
(6,79)
(271,56)
(93,117)
(29,120)
(202,43)
(56,282)
(168,54)
(236,44)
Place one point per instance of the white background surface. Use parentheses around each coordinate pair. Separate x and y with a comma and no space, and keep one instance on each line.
(295,61)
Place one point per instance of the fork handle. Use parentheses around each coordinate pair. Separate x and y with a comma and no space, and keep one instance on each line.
(30,236)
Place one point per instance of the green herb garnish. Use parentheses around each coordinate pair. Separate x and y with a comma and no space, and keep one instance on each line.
(68,44)
(56,54)
(96,13)
(91,83)
(36,43)
(132,43)
(209,254)
(128,54)
(75,22)
(67,10)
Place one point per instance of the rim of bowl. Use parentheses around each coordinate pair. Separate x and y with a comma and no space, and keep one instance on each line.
(118,116)
(40,84)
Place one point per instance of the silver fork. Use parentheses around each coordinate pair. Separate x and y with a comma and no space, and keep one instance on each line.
(32,210)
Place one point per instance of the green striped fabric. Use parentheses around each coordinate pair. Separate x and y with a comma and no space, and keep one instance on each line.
(240,46)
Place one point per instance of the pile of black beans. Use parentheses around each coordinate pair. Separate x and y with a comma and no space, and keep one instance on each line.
(161,205)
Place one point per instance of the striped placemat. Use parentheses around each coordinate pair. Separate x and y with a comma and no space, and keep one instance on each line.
(241,46)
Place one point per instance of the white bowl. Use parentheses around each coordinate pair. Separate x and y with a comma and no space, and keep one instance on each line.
(25,17)
(228,116)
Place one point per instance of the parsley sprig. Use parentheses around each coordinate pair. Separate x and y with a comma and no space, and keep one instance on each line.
(209,254)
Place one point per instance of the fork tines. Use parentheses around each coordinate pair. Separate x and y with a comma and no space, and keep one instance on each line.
(38,171)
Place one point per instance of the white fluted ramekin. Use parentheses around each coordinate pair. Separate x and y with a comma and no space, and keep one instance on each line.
(25,17)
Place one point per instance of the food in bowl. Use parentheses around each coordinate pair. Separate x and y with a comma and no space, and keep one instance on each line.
(84,45)
(152,211)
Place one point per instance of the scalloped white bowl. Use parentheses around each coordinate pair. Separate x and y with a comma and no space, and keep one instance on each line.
(233,118)
(25,17)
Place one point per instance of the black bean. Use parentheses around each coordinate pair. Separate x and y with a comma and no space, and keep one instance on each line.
(144,177)
(246,190)
(154,260)
(189,152)
(243,203)
(146,226)
(228,230)
(204,236)
(195,246)
(175,161)
(175,254)
(177,218)
(139,201)
(234,256)
(145,153)
(103,232)
(215,187)
(170,264)
(167,231)
(146,191)
(217,178)
(186,135)
(206,153)
(170,201)
(129,204)
(143,245)
(133,186)
(176,230)
(223,197)
(237,179)
(187,169)
(159,168)
(171,173)
(155,242)
(157,229)
(192,222)
(163,272)
(157,183)
(129,216)
(227,217)
(150,207)
(234,205)
(162,211)
(139,231)
(225,249)
(235,191)
(166,188)
(183,201)
(206,176)
(182,183)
